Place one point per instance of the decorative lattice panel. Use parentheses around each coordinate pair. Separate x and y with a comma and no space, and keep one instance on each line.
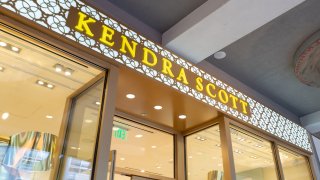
(53,14)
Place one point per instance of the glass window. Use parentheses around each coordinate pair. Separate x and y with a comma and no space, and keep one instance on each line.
(253,156)
(294,166)
(35,84)
(203,155)
(142,150)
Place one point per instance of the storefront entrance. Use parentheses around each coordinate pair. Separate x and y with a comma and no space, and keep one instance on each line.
(45,97)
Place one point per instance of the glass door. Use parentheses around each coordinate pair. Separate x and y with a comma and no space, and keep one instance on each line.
(142,152)
(36,81)
(78,155)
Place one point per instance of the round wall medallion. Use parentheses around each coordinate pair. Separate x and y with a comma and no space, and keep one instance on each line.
(307,61)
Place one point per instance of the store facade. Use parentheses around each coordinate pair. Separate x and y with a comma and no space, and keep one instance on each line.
(85,97)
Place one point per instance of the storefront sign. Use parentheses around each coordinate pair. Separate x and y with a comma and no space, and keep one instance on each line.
(115,40)
(83,24)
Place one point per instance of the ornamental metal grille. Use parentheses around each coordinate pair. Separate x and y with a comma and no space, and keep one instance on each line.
(53,14)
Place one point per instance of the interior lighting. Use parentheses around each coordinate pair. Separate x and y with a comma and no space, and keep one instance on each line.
(157,107)
(88,121)
(58,67)
(254,157)
(2,69)
(158,167)
(5,116)
(130,96)
(220,55)
(98,103)
(68,72)
(142,171)
(115,128)
(122,159)
(3,44)
(153,147)
(190,157)
(15,49)
(49,117)
(182,116)
(259,146)
(139,136)
(50,86)
(40,82)
(72,147)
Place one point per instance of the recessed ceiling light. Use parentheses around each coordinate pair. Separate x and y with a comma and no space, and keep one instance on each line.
(219,164)
(157,107)
(182,116)
(49,117)
(130,96)
(58,67)
(88,121)
(122,159)
(153,147)
(219,55)
(142,171)
(40,82)
(115,128)
(98,103)
(3,44)
(50,86)
(15,49)
(2,69)
(68,72)
(72,147)
(190,157)
(139,136)
(158,167)
(5,115)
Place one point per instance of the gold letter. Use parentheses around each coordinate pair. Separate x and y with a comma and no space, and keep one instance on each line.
(199,85)
(126,44)
(234,101)
(147,51)
(106,36)
(166,67)
(182,76)
(244,106)
(84,24)
(208,90)
(226,99)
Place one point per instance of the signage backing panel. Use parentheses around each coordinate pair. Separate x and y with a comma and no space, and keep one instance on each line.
(55,15)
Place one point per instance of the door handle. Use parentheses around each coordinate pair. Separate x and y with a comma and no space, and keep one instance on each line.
(112,159)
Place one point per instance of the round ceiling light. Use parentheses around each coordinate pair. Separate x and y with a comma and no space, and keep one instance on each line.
(139,136)
(157,107)
(220,55)
(182,116)
(5,115)
(130,96)
(3,44)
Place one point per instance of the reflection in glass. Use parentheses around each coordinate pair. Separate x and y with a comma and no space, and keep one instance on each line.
(82,134)
(142,150)
(294,166)
(253,156)
(33,95)
(203,155)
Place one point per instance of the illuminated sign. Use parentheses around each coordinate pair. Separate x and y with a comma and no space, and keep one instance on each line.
(115,40)
(120,134)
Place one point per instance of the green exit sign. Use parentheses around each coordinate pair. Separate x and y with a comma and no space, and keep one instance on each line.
(120,134)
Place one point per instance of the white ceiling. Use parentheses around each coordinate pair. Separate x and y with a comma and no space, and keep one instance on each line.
(217,24)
